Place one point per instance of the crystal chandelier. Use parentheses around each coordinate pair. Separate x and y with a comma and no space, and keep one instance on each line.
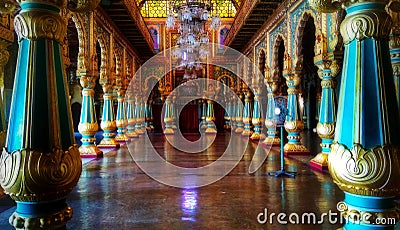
(191,49)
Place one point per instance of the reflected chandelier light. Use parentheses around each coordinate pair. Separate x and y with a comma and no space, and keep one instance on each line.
(191,50)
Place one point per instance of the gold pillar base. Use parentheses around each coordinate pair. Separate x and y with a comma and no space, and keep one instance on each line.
(132,134)
(239,130)
(320,162)
(211,130)
(272,141)
(90,151)
(295,149)
(139,131)
(169,131)
(121,138)
(53,221)
(257,136)
(247,133)
(108,143)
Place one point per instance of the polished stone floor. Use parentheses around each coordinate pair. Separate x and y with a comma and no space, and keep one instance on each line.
(114,193)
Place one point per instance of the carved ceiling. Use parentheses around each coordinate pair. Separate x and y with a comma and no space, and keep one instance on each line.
(250,18)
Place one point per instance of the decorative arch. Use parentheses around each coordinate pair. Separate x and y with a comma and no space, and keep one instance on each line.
(82,37)
(231,81)
(300,32)
(155,35)
(275,59)
(146,82)
(262,61)
(104,73)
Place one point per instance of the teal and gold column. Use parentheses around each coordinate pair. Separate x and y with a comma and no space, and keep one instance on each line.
(227,113)
(168,117)
(210,119)
(149,115)
(232,114)
(327,114)
(257,119)
(272,135)
(131,115)
(120,119)
(239,114)
(40,164)
(138,112)
(247,111)
(364,160)
(293,123)
(108,123)
(88,123)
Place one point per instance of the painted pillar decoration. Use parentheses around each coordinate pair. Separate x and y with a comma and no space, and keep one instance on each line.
(108,123)
(270,123)
(239,114)
(394,45)
(232,113)
(130,114)
(138,112)
(203,114)
(328,69)
(247,110)
(257,119)
(173,110)
(40,164)
(168,117)
(121,83)
(293,123)
(227,114)
(364,159)
(210,118)
(149,115)
(143,114)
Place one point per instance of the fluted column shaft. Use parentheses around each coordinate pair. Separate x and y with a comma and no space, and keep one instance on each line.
(364,160)
(149,115)
(270,123)
(327,115)
(239,116)
(168,117)
(40,164)
(293,123)
(120,119)
(108,123)
(138,115)
(247,111)
(210,117)
(131,116)
(257,119)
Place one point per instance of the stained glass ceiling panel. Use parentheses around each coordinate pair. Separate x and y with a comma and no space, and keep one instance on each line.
(161,8)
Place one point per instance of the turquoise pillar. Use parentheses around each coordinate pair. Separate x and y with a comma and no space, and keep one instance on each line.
(210,119)
(233,114)
(239,115)
(247,111)
(364,160)
(293,123)
(227,113)
(143,114)
(138,115)
(257,119)
(131,116)
(108,123)
(40,164)
(168,117)
(203,114)
(272,138)
(120,119)
(327,114)
(149,115)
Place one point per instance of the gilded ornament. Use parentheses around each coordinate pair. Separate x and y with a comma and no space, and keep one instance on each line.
(88,128)
(108,125)
(90,150)
(82,5)
(56,220)
(294,126)
(35,176)
(7,6)
(371,172)
(271,141)
(326,130)
(36,24)
(290,147)
(369,24)
(321,159)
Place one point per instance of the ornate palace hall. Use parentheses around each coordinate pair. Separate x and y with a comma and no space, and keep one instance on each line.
(200,114)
